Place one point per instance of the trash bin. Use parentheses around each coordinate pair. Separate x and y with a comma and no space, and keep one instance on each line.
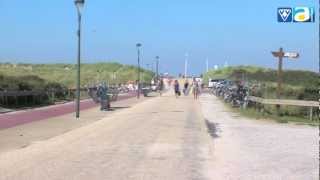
(145,92)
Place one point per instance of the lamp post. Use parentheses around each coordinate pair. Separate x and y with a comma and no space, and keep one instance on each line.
(186,65)
(79,5)
(157,67)
(138,45)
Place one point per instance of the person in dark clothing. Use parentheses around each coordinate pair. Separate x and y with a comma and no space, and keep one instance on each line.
(161,86)
(102,93)
(177,88)
(186,88)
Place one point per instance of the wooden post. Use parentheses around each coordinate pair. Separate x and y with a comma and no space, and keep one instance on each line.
(52,96)
(280,54)
(262,109)
(279,87)
(311,113)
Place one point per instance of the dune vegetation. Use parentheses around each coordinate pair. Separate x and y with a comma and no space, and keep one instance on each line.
(44,76)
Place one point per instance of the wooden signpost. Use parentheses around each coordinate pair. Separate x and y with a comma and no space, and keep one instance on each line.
(281,54)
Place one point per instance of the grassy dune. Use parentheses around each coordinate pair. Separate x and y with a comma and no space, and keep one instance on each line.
(40,76)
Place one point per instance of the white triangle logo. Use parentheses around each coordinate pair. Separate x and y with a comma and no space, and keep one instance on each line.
(284,13)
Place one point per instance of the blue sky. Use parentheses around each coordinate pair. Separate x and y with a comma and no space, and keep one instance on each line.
(239,32)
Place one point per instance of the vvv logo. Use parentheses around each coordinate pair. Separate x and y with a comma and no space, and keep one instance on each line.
(297,14)
(284,15)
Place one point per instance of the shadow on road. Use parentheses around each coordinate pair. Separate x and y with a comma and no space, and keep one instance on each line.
(213,129)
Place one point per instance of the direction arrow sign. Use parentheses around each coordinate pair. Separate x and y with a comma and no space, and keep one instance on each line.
(286,54)
(291,55)
(277,54)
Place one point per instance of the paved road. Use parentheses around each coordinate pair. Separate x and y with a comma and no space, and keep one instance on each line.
(259,149)
(167,138)
(12,119)
(161,138)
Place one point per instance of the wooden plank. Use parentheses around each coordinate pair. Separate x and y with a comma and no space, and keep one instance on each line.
(291,102)
(255,99)
(284,102)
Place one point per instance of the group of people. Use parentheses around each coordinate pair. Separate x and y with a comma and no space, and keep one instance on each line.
(194,87)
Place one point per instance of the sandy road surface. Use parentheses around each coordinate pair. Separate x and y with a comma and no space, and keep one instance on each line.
(262,150)
(161,138)
(24,135)
(167,138)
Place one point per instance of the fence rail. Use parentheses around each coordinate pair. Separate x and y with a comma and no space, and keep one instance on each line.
(284,102)
(287,102)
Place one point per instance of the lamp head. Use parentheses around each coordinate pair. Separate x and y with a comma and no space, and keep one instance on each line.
(79,4)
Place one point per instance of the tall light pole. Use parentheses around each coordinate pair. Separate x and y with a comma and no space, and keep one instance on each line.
(149,68)
(138,45)
(157,67)
(207,65)
(79,5)
(186,66)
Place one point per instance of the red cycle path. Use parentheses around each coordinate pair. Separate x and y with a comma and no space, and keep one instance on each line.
(22,117)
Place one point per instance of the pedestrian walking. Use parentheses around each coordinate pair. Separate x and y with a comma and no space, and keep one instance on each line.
(177,89)
(195,89)
(160,86)
(186,88)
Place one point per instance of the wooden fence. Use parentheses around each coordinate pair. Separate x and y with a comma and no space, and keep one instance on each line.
(286,102)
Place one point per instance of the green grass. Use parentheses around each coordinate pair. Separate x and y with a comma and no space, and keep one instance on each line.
(254,114)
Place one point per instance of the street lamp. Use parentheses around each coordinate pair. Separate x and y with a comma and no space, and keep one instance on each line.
(79,5)
(138,45)
(157,67)
(186,65)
